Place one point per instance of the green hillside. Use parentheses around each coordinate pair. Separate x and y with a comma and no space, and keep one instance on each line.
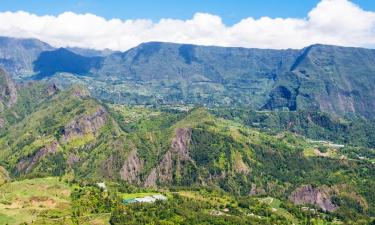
(191,154)
(56,136)
(355,131)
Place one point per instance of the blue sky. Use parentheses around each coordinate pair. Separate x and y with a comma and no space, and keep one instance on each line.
(231,11)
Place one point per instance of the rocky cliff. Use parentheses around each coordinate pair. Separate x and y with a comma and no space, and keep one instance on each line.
(173,160)
(87,124)
(8,90)
(27,164)
(320,197)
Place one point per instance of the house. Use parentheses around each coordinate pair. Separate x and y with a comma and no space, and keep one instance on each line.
(102,186)
(147,199)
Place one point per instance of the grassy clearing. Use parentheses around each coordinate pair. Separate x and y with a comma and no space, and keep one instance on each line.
(275,205)
(210,198)
(309,152)
(46,199)
(315,152)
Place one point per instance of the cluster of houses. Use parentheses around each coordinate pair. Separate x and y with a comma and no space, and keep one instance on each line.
(147,199)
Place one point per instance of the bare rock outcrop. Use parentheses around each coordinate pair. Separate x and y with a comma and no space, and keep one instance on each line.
(132,168)
(320,197)
(52,89)
(72,159)
(8,89)
(85,125)
(26,165)
(179,151)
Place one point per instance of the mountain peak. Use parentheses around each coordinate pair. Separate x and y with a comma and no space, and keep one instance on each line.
(25,42)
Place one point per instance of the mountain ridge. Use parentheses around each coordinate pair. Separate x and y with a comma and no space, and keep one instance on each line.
(328,78)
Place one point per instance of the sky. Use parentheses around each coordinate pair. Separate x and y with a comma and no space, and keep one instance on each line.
(231,11)
(123,24)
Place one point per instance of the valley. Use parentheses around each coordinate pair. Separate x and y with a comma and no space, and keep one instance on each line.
(279,156)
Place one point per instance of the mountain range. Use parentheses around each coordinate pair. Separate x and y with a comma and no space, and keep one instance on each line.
(332,79)
(291,125)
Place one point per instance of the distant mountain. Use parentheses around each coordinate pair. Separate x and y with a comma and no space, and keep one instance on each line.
(338,79)
(63,60)
(17,55)
(333,79)
(328,78)
(175,73)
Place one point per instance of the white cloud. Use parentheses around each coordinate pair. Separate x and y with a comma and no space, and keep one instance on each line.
(338,22)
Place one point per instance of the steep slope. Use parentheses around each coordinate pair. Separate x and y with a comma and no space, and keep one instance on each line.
(62,60)
(8,91)
(69,130)
(198,149)
(19,100)
(337,79)
(355,131)
(173,73)
(17,55)
(71,133)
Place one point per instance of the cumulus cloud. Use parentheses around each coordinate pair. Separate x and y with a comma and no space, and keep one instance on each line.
(338,22)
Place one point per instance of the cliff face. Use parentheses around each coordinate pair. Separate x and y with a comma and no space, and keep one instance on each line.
(8,94)
(320,197)
(132,168)
(85,125)
(8,90)
(173,160)
(27,164)
(337,79)
(60,132)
